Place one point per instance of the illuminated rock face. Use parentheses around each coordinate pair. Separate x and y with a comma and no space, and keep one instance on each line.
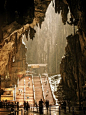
(16,21)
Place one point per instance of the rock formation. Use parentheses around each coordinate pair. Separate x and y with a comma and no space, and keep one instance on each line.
(72,66)
(16,21)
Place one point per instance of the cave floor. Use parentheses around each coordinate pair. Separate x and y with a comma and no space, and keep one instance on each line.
(3,111)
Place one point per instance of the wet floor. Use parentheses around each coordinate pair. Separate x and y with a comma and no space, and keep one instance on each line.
(54,111)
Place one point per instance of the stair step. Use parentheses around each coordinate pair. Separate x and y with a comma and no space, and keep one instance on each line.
(29,90)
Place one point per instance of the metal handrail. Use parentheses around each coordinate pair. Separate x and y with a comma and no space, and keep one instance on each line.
(33,88)
(51,89)
(42,87)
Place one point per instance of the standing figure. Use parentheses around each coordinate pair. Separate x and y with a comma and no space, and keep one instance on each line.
(47,105)
(46,82)
(29,83)
(24,105)
(41,106)
(17,105)
(19,91)
(47,92)
(64,106)
(27,106)
(1,105)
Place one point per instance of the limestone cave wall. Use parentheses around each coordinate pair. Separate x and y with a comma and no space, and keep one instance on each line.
(72,67)
(15,22)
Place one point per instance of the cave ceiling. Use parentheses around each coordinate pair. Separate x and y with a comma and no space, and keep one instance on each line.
(19,17)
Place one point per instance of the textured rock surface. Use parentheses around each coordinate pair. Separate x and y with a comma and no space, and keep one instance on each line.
(19,20)
(74,62)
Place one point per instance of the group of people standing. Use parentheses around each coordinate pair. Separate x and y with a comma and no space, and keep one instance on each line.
(41,103)
(41,106)
(26,105)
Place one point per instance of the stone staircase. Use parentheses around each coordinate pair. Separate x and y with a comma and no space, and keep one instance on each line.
(28,90)
(47,90)
(32,89)
(38,89)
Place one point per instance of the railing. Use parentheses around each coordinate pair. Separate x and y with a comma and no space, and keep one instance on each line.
(42,87)
(33,88)
(15,93)
(51,90)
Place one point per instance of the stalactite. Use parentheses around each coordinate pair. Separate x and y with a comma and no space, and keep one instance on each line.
(32,33)
(57,6)
(26,33)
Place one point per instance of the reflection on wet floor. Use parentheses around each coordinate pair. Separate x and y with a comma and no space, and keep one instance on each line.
(31,113)
(53,110)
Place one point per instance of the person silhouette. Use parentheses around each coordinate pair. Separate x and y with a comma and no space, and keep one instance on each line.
(24,105)
(64,106)
(41,106)
(27,106)
(47,105)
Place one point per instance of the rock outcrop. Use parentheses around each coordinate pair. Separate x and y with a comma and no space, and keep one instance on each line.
(73,63)
(15,22)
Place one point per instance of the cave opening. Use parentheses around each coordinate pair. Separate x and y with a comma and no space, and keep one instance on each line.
(48,45)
